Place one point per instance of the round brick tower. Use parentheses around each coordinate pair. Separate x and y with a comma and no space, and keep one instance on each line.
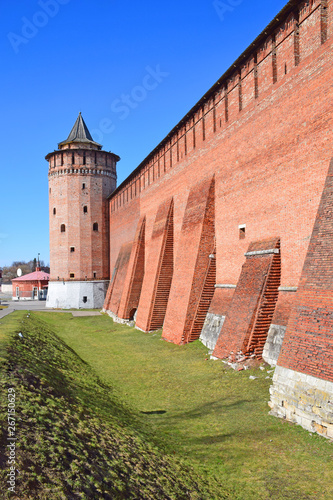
(81,177)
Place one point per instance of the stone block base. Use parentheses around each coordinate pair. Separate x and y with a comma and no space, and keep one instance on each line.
(116,319)
(211,330)
(273,344)
(304,400)
(76,294)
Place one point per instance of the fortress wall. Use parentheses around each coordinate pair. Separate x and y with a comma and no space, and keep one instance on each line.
(269,154)
(302,384)
(227,89)
(250,313)
(122,228)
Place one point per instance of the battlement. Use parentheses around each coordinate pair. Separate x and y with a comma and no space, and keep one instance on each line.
(272,60)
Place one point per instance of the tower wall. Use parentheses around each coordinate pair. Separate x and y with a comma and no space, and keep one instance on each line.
(81,178)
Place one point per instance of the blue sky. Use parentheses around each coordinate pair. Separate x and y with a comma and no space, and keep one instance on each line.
(60,57)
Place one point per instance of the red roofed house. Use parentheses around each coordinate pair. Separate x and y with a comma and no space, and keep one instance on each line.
(32,286)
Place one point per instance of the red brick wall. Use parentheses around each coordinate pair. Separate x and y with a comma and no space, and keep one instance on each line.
(134,277)
(269,158)
(221,301)
(159,271)
(90,258)
(244,330)
(113,299)
(196,243)
(308,342)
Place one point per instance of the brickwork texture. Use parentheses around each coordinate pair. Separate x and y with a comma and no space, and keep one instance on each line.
(242,173)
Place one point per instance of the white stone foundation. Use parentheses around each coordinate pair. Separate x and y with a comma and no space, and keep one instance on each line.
(211,330)
(115,318)
(76,294)
(273,344)
(304,400)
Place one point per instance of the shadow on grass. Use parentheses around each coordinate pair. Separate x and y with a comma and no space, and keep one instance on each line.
(154,412)
(214,439)
(210,408)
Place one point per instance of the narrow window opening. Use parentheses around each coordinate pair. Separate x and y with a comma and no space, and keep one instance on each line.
(72,249)
(85,209)
(226,104)
(83,186)
(63,228)
(73,159)
(94,274)
(274,65)
(296,40)
(242,230)
(240,93)
(84,158)
(54,211)
(62,158)
(324,21)
(85,299)
(71,275)
(285,68)
(256,83)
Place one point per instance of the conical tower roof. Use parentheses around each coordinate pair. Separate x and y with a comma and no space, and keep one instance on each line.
(79,133)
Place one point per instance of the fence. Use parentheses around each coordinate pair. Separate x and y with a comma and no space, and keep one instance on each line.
(31,294)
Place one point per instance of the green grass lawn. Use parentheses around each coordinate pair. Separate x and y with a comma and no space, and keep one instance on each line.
(202,411)
(74,438)
(141,390)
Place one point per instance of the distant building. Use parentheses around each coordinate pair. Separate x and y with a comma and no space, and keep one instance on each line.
(32,286)
(7,288)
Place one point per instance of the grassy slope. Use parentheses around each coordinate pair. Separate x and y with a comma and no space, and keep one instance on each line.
(200,410)
(75,439)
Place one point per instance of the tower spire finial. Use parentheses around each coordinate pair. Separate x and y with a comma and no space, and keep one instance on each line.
(80,133)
